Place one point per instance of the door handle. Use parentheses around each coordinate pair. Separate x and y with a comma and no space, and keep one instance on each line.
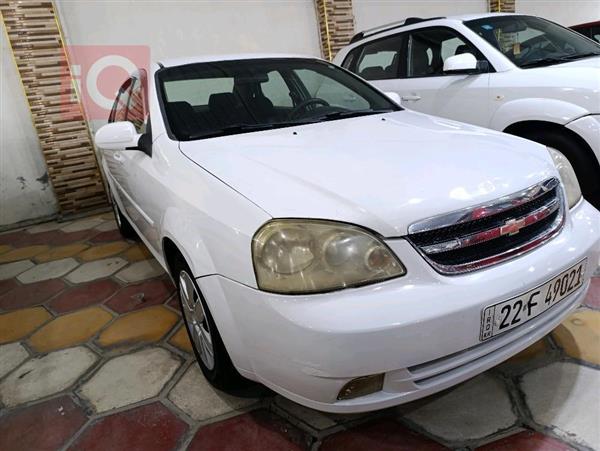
(117,156)
(412,98)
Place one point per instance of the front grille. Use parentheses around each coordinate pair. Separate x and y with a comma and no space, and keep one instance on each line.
(480,236)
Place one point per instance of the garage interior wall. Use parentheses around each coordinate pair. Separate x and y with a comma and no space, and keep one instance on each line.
(25,193)
(372,13)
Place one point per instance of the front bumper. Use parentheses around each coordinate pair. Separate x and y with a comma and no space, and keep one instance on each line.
(421,330)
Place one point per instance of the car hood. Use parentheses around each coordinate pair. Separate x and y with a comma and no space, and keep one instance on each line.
(382,172)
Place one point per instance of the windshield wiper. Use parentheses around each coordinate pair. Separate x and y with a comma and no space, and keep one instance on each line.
(243,128)
(350,113)
(557,60)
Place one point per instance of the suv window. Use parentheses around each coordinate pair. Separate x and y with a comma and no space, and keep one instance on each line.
(429,48)
(378,60)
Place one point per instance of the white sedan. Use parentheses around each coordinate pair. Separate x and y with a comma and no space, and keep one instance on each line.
(346,253)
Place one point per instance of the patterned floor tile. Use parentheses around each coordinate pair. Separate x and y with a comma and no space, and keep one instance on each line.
(130,378)
(10,270)
(579,336)
(105,237)
(259,430)
(137,253)
(383,435)
(11,356)
(4,248)
(73,237)
(70,329)
(560,396)
(593,297)
(31,294)
(95,270)
(46,227)
(58,371)
(196,397)
(150,427)
(181,340)
(142,326)
(313,418)
(44,426)
(464,412)
(50,270)
(60,252)
(22,253)
(136,272)
(133,297)
(20,323)
(527,441)
(103,251)
(537,349)
(86,295)
(106,226)
(82,224)
(7,285)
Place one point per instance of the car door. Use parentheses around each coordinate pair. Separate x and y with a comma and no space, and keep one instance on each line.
(140,204)
(116,160)
(422,84)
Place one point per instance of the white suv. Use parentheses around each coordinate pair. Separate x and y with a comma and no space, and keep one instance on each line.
(519,74)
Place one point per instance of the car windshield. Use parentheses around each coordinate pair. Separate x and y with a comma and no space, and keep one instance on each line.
(205,100)
(533,42)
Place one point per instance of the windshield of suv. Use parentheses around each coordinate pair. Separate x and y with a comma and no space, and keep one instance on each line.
(533,42)
(205,100)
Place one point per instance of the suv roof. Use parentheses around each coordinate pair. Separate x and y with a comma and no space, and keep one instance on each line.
(414,20)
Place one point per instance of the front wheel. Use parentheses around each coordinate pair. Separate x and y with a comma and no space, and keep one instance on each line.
(125,227)
(212,357)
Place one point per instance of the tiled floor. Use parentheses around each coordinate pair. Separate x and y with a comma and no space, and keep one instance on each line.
(93,356)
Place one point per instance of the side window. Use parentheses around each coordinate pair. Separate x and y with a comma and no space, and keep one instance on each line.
(595,33)
(428,49)
(137,109)
(119,110)
(378,60)
(276,90)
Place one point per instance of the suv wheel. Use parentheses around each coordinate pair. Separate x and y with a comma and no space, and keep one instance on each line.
(207,344)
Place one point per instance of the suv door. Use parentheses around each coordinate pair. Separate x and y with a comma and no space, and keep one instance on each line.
(422,83)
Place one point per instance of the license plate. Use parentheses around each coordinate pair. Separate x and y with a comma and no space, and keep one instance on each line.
(506,315)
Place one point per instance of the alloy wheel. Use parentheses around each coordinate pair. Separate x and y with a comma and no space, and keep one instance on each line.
(196,320)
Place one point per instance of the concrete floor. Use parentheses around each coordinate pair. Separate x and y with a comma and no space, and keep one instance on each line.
(93,355)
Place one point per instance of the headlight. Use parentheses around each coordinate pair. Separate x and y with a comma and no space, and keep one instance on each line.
(567,175)
(307,256)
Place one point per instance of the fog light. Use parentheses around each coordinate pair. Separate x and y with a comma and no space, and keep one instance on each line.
(361,386)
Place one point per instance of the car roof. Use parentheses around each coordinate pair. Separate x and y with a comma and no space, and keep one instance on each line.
(172,62)
(415,22)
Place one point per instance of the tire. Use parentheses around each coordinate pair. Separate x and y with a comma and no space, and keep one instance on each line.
(125,227)
(200,325)
(588,172)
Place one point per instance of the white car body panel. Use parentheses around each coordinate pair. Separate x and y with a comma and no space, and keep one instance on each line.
(339,168)
(558,94)
(383,172)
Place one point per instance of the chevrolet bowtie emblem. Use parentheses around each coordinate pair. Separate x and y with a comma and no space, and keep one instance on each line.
(512,227)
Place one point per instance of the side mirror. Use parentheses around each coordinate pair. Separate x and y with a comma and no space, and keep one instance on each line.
(394,97)
(117,136)
(465,63)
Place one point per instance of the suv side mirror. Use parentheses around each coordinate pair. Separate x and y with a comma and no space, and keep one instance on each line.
(117,136)
(465,63)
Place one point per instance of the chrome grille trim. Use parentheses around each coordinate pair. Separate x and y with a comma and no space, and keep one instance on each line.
(495,232)
(453,246)
(484,210)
